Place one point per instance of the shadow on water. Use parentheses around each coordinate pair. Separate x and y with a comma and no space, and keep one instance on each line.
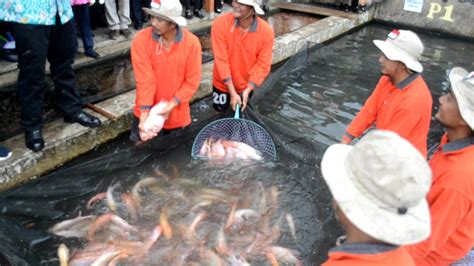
(306,109)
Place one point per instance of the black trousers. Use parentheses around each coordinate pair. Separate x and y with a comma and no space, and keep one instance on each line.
(196,4)
(81,13)
(35,44)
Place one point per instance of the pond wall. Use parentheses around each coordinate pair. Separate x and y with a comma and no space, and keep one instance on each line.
(454,17)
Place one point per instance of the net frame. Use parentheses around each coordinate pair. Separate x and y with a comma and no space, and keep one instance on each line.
(236,129)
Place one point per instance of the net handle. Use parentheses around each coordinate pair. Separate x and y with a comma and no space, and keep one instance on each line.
(237,111)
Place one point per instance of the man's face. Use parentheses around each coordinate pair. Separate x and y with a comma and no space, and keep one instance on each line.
(241,10)
(161,26)
(389,67)
(448,113)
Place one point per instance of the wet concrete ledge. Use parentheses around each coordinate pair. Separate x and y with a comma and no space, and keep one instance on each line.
(67,141)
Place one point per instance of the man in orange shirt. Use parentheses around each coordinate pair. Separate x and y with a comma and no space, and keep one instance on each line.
(401,102)
(242,45)
(166,61)
(378,187)
(451,197)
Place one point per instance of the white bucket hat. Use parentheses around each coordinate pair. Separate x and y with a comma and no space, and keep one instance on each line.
(255,3)
(380,185)
(462,84)
(404,46)
(167,9)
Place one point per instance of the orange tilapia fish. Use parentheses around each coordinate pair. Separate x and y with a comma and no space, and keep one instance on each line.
(167,230)
(220,149)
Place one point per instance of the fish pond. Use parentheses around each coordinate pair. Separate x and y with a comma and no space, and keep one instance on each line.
(220,211)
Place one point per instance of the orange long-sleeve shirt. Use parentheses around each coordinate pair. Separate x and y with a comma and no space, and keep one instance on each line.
(360,254)
(451,200)
(166,75)
(403,108)
(241,58)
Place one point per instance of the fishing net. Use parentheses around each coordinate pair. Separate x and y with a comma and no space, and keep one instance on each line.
(236,129)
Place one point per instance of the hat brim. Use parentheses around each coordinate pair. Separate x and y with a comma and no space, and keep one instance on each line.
(396,54)
(382,224)
(180,21)
(255,6)
(456,75)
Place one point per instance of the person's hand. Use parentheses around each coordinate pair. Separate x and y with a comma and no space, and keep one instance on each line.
(144,135)
(234,100)
(245,97)
(345,140)
(92,2)
(168,108)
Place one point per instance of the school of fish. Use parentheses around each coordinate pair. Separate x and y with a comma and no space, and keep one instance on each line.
(173,221)
(221,149)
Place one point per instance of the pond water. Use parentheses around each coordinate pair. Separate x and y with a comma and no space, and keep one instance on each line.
(305,110)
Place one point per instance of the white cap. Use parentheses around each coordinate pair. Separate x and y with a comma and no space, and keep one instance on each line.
(380,185)
(167,9)
(404,46)
(255,3)
(462,84)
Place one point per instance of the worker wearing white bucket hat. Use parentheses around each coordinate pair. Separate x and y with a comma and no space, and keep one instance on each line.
(401,102)
(379,188)
(166,9)
(451,196)
(256,4)
(166,59)
(242,45)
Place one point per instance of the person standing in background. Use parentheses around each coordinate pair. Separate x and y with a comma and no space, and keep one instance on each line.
(81,14)
(118,18)
(44,31)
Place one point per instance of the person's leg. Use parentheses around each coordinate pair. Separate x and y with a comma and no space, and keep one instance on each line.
(32,47)
(145,3)
(61,58)
(197,9)
(136,12)
(112,18)
(217,6)
(81,13)
(124,14)
(188,13)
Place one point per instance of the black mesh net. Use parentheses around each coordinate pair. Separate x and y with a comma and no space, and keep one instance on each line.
(235,129)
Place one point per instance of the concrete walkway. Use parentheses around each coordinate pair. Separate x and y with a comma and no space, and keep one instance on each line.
(67,141)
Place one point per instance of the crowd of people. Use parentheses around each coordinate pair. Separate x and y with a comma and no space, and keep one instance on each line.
(397,206)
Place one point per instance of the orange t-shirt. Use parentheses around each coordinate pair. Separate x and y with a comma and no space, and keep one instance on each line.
(451,200)
(403,108)
(363,254)
(166,75)
(241,58)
